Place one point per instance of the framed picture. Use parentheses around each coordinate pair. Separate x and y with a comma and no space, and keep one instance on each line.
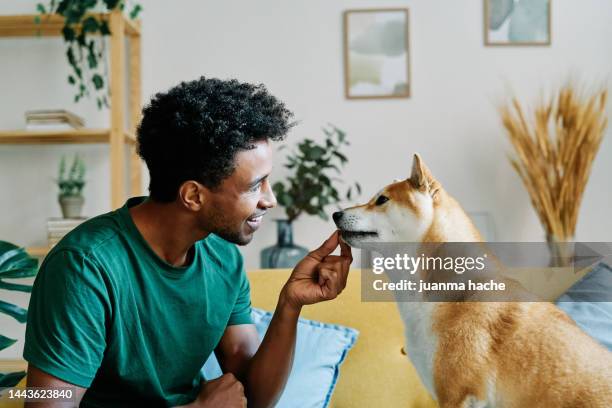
(376,54)
(517,22)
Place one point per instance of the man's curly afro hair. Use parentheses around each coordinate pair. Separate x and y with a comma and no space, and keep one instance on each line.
(193,131)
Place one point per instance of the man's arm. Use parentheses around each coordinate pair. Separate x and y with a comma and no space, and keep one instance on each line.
(264,370)
(38,378)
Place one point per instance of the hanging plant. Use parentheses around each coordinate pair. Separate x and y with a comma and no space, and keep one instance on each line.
(84,34)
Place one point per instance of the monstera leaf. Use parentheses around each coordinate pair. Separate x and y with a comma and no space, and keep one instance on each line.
(15,263)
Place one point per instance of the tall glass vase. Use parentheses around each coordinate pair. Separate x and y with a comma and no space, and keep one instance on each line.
(285,254)
(561,251)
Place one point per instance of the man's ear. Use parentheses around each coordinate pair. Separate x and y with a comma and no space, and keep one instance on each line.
(192,194)
(421,178)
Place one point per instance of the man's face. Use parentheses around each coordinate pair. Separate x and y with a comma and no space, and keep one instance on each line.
(235,209)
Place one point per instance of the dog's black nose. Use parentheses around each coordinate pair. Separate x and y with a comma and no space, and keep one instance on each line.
(337,215)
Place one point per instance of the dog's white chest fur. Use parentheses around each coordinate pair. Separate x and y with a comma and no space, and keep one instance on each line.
(421,343)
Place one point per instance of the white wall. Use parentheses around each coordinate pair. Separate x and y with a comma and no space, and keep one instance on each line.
(295,48)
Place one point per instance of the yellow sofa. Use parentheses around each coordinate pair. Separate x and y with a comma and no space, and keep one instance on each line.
(375,372)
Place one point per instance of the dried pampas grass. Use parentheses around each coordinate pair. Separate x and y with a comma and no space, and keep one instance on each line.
(555,153)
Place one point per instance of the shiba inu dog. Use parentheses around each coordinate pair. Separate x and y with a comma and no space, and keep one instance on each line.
(479,354)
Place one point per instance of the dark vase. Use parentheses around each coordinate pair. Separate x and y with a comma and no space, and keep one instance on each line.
(284,254)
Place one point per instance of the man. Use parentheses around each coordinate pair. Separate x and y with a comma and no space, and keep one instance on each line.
(130,304)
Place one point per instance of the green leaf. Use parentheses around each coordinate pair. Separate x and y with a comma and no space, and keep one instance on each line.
(18,313)
(92,61)
(111,4)
(82,39)
(71,80)
(333,166)
(69,35)
(37,21)
(62,6)
(325,180)
(341,135)
(9,251)
(16,261)
(5,342)
(15,286)
(278,188)
(90,25)
(323,215)
(11,379)
(98,81)
(135,11)
(334,193)
(104,29)
(339,155)
(41,8)
(316,152)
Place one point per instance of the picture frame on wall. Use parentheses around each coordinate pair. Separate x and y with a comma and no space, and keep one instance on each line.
(517,22)
(376,53)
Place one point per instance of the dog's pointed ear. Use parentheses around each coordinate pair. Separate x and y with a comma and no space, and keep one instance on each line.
(421,177)
(418,176)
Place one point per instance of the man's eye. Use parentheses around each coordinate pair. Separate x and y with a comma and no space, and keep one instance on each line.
(381,200)
(255,188)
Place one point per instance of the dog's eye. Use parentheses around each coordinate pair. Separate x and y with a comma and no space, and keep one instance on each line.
(381,200)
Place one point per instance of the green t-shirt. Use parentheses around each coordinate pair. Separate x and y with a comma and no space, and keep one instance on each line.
(107,313)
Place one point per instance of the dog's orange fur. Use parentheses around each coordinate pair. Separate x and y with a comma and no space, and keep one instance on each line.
(532,351)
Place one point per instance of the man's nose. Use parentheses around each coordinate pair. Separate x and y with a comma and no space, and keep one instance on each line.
(337,216)
(269,199)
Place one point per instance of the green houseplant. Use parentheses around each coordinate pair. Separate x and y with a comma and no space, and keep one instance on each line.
(309,189)
(15,263)
(71,186)
(84,33)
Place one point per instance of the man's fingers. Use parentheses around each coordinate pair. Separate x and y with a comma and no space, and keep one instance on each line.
(326,248)
(329,282)
(345,250)
(341,265)
(330,259)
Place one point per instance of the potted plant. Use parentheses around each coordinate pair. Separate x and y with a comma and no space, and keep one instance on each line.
(555,148)
(15,263)
(71,186)
(308,190)
(84,33)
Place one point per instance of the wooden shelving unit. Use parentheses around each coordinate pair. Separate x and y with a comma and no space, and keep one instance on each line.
(116,136)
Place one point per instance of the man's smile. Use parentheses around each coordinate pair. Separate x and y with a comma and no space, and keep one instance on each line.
(255,221)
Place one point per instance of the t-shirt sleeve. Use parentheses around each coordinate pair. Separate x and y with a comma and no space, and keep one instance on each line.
(241,313)
(67,315)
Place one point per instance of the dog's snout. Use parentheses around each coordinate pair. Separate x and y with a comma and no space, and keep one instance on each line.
(337,216)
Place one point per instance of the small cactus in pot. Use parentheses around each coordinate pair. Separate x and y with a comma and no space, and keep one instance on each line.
(71,185)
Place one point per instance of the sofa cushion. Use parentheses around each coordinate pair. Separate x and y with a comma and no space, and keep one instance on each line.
(583,303)
(319,350)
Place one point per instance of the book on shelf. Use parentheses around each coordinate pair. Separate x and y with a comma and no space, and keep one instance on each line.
(58,119)
(57,228)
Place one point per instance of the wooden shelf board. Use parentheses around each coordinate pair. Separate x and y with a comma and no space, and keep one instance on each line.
(50,25)
(37,251)
(54,137)
(130,138)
